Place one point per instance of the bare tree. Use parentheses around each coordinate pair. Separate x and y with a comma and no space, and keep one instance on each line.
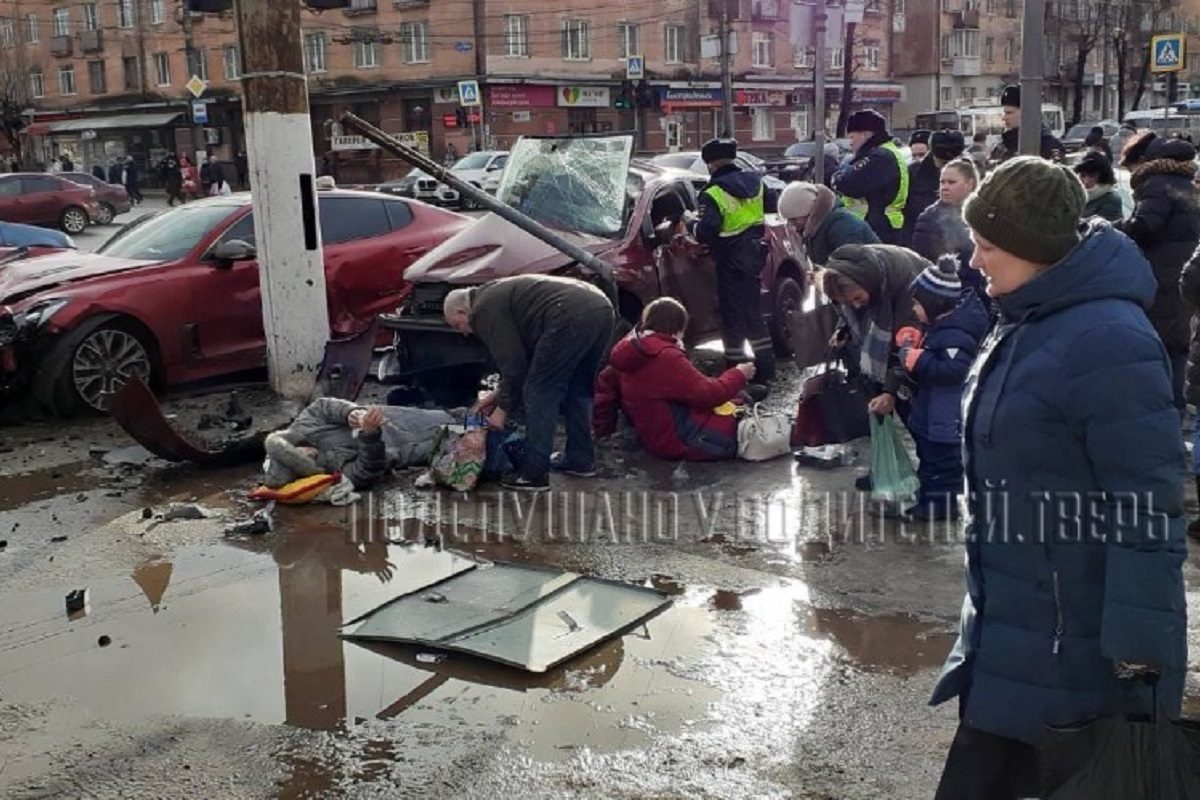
(848,66)
(1083,28)
(1132,23)
(16,94)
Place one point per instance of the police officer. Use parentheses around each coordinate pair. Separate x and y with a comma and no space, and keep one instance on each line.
(1010,101)
(731,225)
(875,182)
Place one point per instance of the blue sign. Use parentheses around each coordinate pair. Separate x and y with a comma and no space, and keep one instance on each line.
(635,67)
(199,113)
(1168,52)
(463,47)
(468,93)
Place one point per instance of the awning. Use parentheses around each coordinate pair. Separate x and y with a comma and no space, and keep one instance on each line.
(105,123)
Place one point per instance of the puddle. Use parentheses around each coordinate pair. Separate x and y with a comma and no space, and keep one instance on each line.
(894,643)
(29,487)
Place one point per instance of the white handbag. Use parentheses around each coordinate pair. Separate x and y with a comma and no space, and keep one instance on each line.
(762,436)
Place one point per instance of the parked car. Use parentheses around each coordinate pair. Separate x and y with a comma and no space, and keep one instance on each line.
(588,190)
(474,169)
(416,184)
(14,234)
(36,198)
(112,197)
(1073,139)
(174,297)
(690,161)
(793,164)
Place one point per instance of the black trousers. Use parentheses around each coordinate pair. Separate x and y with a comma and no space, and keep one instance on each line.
(984,766)
(742,320)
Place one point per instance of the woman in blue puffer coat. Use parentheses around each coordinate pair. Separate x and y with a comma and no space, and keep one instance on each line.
(1074,469)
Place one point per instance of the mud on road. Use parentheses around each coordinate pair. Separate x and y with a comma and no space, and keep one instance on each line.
(795,662)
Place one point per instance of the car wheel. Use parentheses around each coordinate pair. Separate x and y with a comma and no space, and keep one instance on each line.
(788,304)
(73,221)
(107,214)
(466,203)
(90,363)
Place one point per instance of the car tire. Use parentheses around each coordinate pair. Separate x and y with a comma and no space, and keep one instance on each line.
(73,220)
(96,357)
(787,301)
(466,204)
(107,214)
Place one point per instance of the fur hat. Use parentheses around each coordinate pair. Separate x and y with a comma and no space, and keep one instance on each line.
(947,145)
(1011,96)
(866,121)
(719,150)
(919,137)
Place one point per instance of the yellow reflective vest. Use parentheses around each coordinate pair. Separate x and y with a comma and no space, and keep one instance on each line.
(737,214)
(895,209)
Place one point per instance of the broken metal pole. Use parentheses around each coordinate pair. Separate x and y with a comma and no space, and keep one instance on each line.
(585,259)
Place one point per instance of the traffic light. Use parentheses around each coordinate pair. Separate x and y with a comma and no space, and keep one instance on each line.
(625,97)
(644,96)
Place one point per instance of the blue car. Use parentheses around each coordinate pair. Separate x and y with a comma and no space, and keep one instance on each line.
(14,234)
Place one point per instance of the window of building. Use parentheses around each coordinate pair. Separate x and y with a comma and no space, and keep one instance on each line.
(965,42)
(673,132)
(947,5)
(314,52)
(66,81)
(837,57)
(763,54)
(627,40)
(233,63)
(673,44)
(897,6)
(6,32)
(366,54)
(62,22)
(32,34)
(801,123)
(576,40)
(991,6)
(1010,8)
(125,13)
(415,37)
(158,12)
(1010,50)
(97,81)
(947,95)
(764,123)
(871,57)
(967,93)
(91,17)
(516,35)
(162,69)
(37,86)
(133,73)
(804,58)
(989,49)
(198,62)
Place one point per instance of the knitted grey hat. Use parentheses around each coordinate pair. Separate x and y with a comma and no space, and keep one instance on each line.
(1029,207)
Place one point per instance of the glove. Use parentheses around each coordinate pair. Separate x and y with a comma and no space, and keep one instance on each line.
(909,336)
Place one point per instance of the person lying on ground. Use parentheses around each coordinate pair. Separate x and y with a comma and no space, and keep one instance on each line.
(677,411)
(362,443)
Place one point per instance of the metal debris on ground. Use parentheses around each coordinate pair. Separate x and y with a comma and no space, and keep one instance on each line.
(259,523)
(77,600)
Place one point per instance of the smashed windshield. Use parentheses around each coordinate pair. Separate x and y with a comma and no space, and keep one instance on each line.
(572,184)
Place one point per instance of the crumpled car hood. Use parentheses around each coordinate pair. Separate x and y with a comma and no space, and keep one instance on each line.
(20,278)
(492,247)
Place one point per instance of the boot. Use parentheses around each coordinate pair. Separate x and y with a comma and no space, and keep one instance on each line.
(1193,530)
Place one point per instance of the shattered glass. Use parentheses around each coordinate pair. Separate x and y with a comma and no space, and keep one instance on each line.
(571,183)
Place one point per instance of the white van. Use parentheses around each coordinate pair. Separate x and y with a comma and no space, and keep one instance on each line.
(986,119)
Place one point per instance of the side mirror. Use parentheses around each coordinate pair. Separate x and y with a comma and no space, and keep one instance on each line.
(226,253)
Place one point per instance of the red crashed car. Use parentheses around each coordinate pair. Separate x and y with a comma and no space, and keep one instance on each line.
(175,295)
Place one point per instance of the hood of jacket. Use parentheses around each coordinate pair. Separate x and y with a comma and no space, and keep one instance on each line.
(740,183)
(1105,265)
(1176,149)
(969,316)
(823,206)
(636,351)
(1162,166)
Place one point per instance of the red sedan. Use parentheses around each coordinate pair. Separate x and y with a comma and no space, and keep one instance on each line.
(35,198)
(174,297)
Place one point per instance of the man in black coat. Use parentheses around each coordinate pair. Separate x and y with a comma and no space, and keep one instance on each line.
(925,175)
(875,183)
(210,173)
(1010,100)
(133,185)
(732,224)
(114,171)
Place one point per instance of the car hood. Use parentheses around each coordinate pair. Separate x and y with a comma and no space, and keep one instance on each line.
(20,279)
(492,247)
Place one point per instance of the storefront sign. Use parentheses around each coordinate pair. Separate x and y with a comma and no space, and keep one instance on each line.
(521,116)
(584,96)
(759,97)
(521,96)
(879,94)
(451,121)
(671,99)
(418,141)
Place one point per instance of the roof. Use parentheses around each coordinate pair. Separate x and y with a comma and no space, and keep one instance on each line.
(104,123)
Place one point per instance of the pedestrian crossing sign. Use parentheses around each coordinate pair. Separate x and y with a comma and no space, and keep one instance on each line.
(635,68)
(1167,49)
(468,93)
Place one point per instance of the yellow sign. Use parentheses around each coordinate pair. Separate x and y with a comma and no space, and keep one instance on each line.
(196,86)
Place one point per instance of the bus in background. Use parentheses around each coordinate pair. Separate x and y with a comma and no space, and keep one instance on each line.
(985,119)
(1182,119)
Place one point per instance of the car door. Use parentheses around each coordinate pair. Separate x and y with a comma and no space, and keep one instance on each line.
(42,196)
(368,242)
(12,204)
(685,270)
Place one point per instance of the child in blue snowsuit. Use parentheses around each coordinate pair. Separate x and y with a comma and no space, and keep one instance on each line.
(937,363)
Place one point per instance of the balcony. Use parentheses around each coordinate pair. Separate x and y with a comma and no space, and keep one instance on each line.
(360,8)
(400,5)
(60,46)
(968,18)
(965,66)
(764,10)
(91,41)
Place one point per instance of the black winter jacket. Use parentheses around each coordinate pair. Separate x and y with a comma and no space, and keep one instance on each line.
(1166,226)
(830,226)
(1189,288)
(924,178)
(1051,148)
(873,176)
(744,252)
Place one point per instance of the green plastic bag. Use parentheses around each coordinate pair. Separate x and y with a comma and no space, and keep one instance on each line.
(892,475)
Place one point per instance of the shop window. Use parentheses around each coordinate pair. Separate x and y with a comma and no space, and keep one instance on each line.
(801,124)
(764,124)
(415,38)
(314,52)
(674,134)
(576,40)
(581,120)
(516,35)
(96,78)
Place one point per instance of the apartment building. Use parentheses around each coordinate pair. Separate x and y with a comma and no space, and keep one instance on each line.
(955,52)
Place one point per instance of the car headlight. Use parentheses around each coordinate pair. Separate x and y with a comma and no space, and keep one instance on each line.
(37,315)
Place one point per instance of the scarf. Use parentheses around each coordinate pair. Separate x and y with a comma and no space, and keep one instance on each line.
(871,328)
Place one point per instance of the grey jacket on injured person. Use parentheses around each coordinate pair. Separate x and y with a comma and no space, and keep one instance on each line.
(406,439)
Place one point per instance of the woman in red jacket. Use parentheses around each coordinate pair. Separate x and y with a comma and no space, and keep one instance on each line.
(672,405)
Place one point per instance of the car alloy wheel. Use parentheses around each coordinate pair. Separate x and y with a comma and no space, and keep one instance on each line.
(107,214)
(104,361)
(74,221)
